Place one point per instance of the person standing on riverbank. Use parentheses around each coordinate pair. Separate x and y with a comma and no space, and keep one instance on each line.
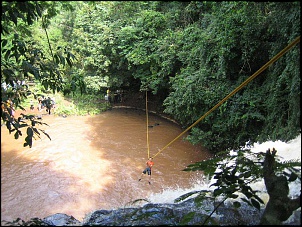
(48,104)
(10,108)
(149,164)
(31,105)
(108,95)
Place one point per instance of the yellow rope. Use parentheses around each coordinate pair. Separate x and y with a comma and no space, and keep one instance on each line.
(147,123)
(280,54)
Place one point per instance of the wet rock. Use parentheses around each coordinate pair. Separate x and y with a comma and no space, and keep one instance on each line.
(187,213)
(61,220)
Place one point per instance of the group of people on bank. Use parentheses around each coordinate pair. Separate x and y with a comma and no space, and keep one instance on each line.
(114,97)
(44,103)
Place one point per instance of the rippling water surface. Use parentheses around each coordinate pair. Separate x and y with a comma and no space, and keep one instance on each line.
(92,162)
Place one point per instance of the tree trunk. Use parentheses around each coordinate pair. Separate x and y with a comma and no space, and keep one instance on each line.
(279,207)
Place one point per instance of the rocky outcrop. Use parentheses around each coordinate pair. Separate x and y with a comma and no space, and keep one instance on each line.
(61,220)
(185,213)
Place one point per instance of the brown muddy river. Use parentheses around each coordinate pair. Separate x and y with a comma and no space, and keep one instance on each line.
(93,162)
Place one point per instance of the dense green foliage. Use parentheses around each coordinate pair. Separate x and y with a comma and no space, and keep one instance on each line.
(189,54)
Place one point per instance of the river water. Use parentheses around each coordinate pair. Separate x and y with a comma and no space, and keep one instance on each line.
(93,162)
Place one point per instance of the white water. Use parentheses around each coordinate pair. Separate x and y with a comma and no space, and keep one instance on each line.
(286,151)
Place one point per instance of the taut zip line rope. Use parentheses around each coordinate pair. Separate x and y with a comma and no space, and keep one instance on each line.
(275,58)
(147,124)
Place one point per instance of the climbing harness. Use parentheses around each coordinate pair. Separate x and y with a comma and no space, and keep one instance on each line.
(275,58)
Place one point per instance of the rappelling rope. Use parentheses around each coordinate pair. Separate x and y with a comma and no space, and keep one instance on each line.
(147,116)
(275,58)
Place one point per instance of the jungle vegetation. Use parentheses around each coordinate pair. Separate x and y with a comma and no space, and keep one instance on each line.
(189,54)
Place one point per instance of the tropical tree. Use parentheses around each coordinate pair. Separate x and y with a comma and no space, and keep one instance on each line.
(24,60)
(230,42)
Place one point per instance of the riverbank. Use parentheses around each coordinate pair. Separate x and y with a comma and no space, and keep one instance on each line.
(138,101)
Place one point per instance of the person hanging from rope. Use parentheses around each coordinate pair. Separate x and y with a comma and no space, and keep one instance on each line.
(149,164)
